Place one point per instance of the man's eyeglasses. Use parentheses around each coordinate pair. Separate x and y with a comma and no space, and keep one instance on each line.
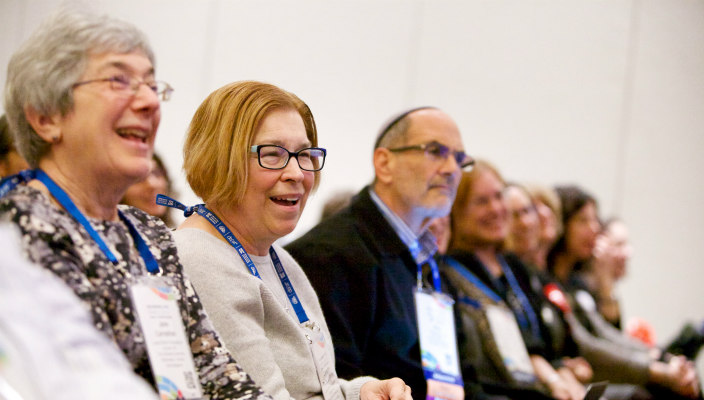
(272,156)
(129,85)
(440,152)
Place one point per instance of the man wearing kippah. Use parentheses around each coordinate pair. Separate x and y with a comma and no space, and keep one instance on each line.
(366,262)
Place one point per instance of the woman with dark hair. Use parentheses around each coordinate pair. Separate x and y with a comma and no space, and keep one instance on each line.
(580,228)
(11,162)
(143,193)
(626,359)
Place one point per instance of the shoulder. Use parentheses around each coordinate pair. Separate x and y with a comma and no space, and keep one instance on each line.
(24,201)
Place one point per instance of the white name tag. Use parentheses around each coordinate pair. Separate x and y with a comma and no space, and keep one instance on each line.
(323,362)
(438,345)
(510,343)
(169,352)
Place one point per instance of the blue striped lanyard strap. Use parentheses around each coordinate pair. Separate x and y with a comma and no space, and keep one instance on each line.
(436,274)
(473,279)
(226,233)
(65,201)
(526,307)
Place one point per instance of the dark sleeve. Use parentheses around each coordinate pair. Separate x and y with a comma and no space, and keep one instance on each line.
(347,294)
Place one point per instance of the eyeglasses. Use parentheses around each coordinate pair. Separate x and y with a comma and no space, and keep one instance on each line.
(130,85)
(272,156)
(440,152)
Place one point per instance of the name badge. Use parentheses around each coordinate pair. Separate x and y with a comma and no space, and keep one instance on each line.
(438,345)
(510,342)
(323,361)
(169,352)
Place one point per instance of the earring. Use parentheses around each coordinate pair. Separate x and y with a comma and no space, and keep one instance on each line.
(55,139)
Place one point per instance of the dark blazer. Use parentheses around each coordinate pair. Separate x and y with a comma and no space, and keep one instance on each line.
(364,276)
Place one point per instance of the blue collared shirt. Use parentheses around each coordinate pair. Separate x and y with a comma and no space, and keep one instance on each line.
(422,247)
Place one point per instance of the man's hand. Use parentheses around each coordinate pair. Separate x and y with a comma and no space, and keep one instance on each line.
(388,389)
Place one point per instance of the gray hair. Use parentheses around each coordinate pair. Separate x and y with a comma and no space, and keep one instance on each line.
(41,73)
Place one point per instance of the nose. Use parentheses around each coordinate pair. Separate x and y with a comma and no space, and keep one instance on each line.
(450,166)
(145,98)
(292,171)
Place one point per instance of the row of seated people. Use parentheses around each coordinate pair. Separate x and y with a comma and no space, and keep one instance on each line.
(86,124)
(83,104)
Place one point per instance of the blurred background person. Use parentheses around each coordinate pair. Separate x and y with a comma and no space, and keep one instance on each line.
(11,162)
(480,224)
(547,205)
(143,193)
(666,376)
(525,229)
(336,202)
(46,331)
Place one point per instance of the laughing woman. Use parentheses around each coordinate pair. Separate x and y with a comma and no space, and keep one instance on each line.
(84,102)
(251,154)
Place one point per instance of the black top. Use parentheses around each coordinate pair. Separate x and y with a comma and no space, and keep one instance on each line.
(365,276)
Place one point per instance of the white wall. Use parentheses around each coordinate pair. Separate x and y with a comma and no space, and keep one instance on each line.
(608,94)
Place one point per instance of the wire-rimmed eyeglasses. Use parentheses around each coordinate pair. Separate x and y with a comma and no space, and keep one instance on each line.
(439,151)
(272,156)
(130,85)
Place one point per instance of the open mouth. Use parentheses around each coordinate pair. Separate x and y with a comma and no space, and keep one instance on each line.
(133,134)
(284,201)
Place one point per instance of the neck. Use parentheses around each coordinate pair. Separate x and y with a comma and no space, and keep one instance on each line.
(251,245)
(93,196)
(488,255)
(562,267)
(416,219)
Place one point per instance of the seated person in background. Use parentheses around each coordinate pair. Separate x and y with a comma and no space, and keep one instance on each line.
(365,261)
(336,202)
(668,376)
(608,266)
(45,331)
(11,162)
(498,370)
(524,232)
(479,221)
(143,193)
(84,103)
(251,154)
(547,205)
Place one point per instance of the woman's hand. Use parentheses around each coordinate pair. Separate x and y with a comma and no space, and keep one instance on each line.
(388,389)
(580,367)
(678,375)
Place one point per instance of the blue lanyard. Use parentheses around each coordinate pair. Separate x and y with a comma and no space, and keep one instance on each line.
(65,201)
(526,308)
(435,272)
(230,237)
(468,275)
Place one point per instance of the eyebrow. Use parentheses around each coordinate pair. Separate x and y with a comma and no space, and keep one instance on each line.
(124,67)
(280,143)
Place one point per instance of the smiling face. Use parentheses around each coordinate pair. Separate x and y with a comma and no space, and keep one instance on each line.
(274,199)
(109,134)
(483,220)
(581,231)
(524,231)
(421,186)
(143,194)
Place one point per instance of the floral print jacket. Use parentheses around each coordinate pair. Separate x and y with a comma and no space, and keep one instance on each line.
(55,241)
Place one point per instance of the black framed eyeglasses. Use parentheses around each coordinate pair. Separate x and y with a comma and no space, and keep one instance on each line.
(439,151)
(272,156)
(130,85)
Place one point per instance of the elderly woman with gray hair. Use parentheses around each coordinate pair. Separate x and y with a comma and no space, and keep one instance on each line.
(84,102)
